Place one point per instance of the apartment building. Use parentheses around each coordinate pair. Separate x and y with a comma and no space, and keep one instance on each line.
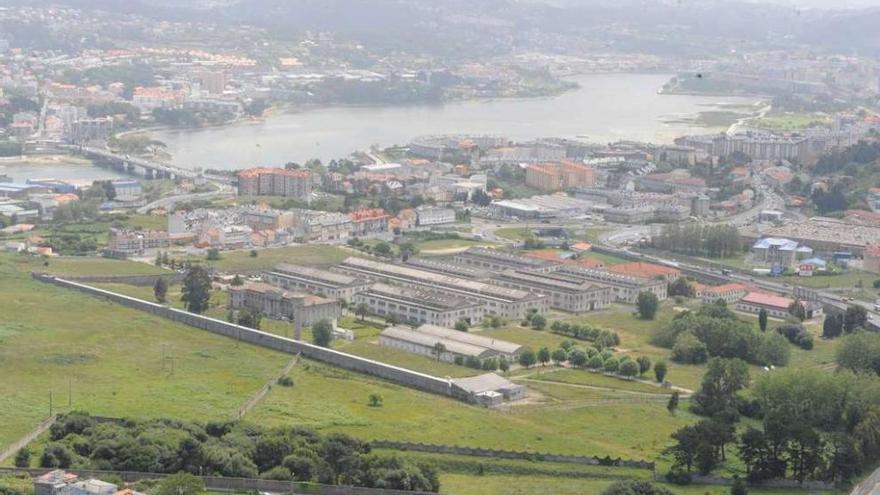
(122,243)
(316,281)
(563,175)
(265,181)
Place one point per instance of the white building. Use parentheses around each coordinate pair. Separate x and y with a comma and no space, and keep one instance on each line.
(432,215)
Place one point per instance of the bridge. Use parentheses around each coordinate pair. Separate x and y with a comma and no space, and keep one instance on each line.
(157,168)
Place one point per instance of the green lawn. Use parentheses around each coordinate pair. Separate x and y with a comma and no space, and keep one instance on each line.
(84,265)
(790,121)
(242,261)
(589,378)
(334,400)
(514,233)
(53,340)
(442,244)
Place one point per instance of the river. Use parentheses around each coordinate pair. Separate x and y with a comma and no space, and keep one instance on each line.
(606,107)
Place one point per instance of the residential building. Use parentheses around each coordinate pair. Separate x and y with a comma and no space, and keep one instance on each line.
(316,281)
(501,301)
(566,294)
(300,308)
(327,227)
(563,175)
(775,251)
(368,222)
(123,243)
(265,181)
(433,215)
(419,305)
(625,288)
(127,190)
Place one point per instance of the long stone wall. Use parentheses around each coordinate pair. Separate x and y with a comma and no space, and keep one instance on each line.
(223,484)
(395,374)
(137,280)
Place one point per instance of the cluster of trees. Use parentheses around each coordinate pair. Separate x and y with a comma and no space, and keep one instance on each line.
(797,335)
(814,424)
(599,337)
(228,449)
(196,290)
(860,353)
(714,241)
(487,364)
(592,358)
(647,305)
(714,330)
(535,320)
(836,324)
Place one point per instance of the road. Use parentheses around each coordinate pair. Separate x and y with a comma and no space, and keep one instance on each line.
(168,202)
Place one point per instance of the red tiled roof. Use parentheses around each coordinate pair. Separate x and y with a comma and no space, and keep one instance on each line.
(368,214)
(581,246)
(765,299)
(718,289)
(872,250)
(644,270)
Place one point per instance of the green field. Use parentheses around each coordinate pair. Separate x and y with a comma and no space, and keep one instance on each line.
(242,261)
(54,340)
(790,121)
(84,266)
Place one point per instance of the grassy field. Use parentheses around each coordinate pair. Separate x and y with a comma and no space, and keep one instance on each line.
(334,400)
(790,121)
(110,358)
(85,265)
(242,261)
(443,244)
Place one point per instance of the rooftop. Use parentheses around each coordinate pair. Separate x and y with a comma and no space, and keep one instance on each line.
(484,383)
(407,334)
(327,276)
(765,299)
(642,269)
(500,346)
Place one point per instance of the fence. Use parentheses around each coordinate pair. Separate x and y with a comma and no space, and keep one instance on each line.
(28,438)
(220,483)
(395,374)
(510,454)
(137,280)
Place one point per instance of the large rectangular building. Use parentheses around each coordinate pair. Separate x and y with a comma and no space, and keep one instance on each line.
(625,288)
(494,259)
(275,303)
(419,305)
(424,339)
(316,281)
(565,293)
(501,301)
(266,181)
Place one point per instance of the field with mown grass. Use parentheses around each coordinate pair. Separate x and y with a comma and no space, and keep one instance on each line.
(84,266)
(242,261)
(53,340)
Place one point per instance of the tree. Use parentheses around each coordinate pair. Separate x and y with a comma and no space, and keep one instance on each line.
(361,310)
(762,319)
(180,484)
(860,353)
(160,289)
(236,281)
(647,305)
(213,254)
(722,380)
(544,356)
(253,253)
(578,358)
(538,321)
(559,356)
(672,405)
(644,363)
(196,292)
(595,362)
(375,400)
(250,318)
(23,458)
(504,365)
(322,333)
(660,371)
(439,350)
(382,249)
(739,487)
(629,368)
(462,325)
(527,358)
(832,326)
(681,287)
(611,365)
(796,309)
(854,317)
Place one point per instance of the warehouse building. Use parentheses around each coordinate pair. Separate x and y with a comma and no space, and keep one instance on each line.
(625,288)
(316,281)
(566,294)
(419,305)
(500,348)
(424,340)
(501,301)
(490,389)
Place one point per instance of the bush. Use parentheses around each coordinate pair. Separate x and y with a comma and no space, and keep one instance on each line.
(277,473)
(285,381)
(595,362)
(23,458)
(797,335)
(611,365)
(689,350)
